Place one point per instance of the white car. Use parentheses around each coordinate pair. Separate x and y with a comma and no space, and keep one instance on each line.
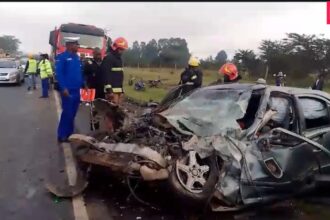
(11,71)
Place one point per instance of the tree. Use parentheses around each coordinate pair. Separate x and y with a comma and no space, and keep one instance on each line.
(173,52)
(132,56)
(150,54)
(9,43)
(313,51)
(221,57)
(167,52)
(247,61)
(208,63)
(275,54)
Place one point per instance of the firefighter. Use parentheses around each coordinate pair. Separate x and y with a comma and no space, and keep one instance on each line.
(192,76)
(46,72)
(112,71)
(230,73)
(31,70)
(70,80)
(92,73)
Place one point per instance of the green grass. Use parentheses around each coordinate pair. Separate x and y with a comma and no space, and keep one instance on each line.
(171,77)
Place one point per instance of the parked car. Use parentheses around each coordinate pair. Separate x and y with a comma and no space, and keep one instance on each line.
(228,146)
(11,71)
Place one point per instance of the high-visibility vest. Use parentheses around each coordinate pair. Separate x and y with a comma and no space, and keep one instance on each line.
(32,66)
(45,68)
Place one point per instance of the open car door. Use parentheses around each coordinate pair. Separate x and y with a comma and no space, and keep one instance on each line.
(290,162)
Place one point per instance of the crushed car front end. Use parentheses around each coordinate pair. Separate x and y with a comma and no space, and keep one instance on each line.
(210,146)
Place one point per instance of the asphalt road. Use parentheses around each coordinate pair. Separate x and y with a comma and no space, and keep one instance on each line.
(29,155)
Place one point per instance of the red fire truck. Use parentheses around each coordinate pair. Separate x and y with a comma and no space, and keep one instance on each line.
(90,37)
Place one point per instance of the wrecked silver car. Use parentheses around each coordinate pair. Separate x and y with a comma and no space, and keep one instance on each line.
(230,146)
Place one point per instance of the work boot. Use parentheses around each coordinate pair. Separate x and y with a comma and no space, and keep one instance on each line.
(29,88)
(34,88)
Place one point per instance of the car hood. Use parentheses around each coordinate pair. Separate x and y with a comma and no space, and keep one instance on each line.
(205,121)
(7,70)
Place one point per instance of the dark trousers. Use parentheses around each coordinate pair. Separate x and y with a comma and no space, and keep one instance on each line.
(45,87)
(70,107)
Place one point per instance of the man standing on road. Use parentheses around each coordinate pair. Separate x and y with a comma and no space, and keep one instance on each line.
(93,80)
(31,70)
(112,71)
(46,72)
(92,73)
(69,75)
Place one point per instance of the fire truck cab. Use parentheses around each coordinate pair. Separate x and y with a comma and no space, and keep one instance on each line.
(90,37)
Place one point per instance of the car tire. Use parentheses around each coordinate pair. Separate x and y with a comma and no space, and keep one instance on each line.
(188,198)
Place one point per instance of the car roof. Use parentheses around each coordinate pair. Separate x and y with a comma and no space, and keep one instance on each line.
(300,91)
(236,86)
(250,86)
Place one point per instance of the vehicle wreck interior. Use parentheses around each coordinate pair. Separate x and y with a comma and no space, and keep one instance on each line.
(251,110)
(286,114)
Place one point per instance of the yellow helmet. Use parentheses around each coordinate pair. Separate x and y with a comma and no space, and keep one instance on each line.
(193,61)
(30,55)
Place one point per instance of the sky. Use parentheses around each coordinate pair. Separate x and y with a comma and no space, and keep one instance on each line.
(207,27)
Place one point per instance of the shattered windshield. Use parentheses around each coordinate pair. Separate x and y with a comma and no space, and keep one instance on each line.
(85,41)
(209,112)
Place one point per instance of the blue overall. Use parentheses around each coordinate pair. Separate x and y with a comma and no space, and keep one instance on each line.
(45,87)
(69,76)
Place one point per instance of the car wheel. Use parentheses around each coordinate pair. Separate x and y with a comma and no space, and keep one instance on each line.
(192,179)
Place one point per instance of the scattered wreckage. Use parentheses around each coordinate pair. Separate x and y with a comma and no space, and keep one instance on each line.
(231,146)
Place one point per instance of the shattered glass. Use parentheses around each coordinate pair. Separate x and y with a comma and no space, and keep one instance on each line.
(281,106)
(209,112)
(313,109)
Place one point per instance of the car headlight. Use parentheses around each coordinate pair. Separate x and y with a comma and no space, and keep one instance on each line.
(12,74)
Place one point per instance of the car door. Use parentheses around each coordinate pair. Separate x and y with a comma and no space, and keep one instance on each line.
(316,120)
(286,156)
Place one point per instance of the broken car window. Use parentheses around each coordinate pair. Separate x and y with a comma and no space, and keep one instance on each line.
(281,106)
(315,112)
(209,112)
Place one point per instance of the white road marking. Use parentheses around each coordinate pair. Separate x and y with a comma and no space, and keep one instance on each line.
(79,208)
